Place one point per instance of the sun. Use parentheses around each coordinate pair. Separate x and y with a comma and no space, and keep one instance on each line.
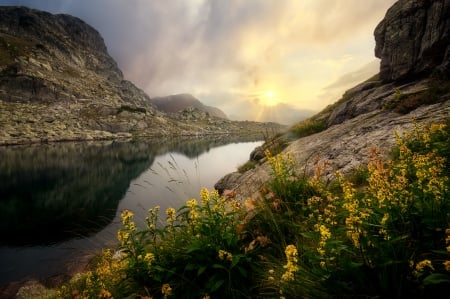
(269,98)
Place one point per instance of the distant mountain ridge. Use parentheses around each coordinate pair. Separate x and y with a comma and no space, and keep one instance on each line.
(59,83)
(178,102)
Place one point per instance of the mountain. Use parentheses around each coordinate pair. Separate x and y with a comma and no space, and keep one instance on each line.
(58,83)
(413,43)
(178,102)
(49,58)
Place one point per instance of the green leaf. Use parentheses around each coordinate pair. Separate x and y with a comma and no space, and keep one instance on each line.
(436,278)
(235,260)
(190,267)
(201,270)
(219,266)
(311,235)
(216,285)
(242,271)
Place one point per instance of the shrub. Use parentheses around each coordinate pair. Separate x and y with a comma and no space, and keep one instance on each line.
(131,109)
(247,166)
(307,128)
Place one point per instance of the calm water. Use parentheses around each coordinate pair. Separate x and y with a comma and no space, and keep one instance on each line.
(60,203)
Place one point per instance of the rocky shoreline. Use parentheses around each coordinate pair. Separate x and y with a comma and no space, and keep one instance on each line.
(26,123)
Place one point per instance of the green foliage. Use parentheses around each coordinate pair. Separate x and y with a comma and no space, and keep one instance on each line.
(131,109)
(199,252)
(247,166)
(307,128)
(11,48)
(359,176)
(407,102)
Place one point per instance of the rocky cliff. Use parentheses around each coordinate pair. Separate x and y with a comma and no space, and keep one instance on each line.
(413,44)
(413,39)
(57,57)
(58,82)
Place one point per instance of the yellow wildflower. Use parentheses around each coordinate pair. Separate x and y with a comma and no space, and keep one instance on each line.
(126,216)
(171,215)
(104,294)
(166,290)
(420,266)
(204,196)
(447,265)
(225,255)
(192,203)
(291,265)
(149,258)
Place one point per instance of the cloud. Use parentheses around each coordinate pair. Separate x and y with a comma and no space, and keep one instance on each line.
(351,79)
(217,49)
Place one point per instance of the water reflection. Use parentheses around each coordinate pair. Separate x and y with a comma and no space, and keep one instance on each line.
(61,199)
(53,192)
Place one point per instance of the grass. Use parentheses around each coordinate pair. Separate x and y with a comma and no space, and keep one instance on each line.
(380,232)
(406,102)
(247,166)
(11,48)
(131,109)
(307,128)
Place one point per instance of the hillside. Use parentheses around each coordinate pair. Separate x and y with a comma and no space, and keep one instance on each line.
(412,42)
(178,102)
(58,83)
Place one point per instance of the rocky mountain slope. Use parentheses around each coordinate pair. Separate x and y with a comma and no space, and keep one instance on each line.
(412,42)
(179,102)
(58,82)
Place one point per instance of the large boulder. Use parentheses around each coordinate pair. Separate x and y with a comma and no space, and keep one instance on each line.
(413,39)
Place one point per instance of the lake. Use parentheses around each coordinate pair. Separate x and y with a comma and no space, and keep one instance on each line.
(60,203)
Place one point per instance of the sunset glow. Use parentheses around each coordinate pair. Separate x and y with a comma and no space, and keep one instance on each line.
(269,98)
(238,55)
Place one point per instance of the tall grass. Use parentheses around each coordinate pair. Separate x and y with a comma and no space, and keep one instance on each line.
(383,232)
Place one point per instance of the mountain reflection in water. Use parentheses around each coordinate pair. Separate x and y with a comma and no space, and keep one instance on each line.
(54,194)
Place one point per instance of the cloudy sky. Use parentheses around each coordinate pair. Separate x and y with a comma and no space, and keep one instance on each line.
(254,59)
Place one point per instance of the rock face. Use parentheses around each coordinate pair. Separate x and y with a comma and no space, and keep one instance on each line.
(50,58)
(178,102)
(413,43)
(58,83)
(345,146)
(413,39)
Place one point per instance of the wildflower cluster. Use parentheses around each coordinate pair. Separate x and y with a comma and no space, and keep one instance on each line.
(101,282)
(225,255)
(291,266)
(199,244)
(392,218)
(125,235)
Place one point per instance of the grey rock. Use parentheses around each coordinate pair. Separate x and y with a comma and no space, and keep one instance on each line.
(345,145)
(228,182)
(413,39)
